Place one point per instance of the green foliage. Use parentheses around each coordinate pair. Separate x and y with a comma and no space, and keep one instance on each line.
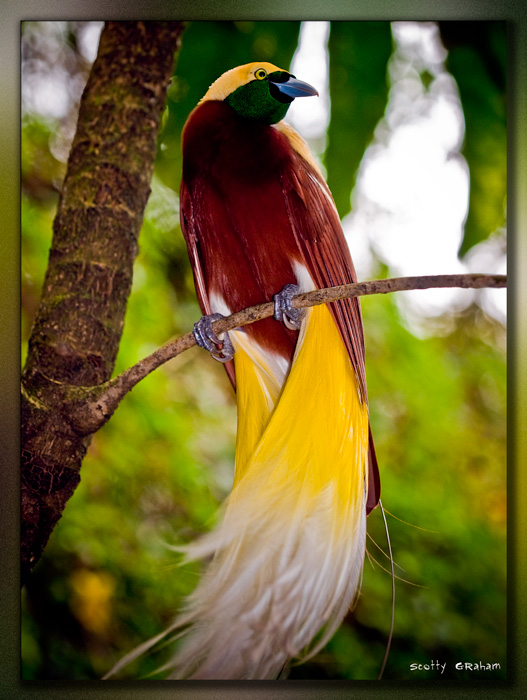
(437,411)
(359,54)
(156,474)
(477,59)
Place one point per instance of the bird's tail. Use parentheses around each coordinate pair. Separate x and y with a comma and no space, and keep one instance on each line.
(286,558)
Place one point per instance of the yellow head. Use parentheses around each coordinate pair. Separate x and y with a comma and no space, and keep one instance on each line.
(259,91)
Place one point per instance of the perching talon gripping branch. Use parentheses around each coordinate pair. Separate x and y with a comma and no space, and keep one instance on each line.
(221,350)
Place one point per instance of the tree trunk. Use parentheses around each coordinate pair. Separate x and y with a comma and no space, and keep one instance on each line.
(79,322)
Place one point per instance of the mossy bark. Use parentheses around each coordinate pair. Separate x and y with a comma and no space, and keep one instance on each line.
(76,334)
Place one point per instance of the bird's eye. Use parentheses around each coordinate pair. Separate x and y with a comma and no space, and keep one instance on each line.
(260,74)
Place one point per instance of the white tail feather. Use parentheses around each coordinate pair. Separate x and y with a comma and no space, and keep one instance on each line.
(286,559)
(251,614)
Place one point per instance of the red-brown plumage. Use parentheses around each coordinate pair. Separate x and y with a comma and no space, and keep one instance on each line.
(234,212)
(252,206)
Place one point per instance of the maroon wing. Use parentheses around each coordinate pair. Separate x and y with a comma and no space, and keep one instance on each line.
(318,232)
(187,226)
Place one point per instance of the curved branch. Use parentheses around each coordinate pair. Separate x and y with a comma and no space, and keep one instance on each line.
(97,406)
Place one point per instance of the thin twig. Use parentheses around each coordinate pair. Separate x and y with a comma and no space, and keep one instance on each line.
(99,403)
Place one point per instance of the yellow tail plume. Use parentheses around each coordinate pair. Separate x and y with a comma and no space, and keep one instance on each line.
(287,557)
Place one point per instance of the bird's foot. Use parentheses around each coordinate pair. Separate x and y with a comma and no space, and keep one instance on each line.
(220,349)
(283,309)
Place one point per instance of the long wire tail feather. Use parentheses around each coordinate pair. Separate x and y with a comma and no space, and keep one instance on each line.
(390,636)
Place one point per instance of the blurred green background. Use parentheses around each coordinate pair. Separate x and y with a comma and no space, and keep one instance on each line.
(157,472)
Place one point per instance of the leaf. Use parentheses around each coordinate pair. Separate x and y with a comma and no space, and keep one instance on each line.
(359,53)
(477,61)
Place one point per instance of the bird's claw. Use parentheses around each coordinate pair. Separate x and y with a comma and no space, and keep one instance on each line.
(283,309)
(221,350)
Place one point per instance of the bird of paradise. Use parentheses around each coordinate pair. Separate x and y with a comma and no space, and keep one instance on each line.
(285,561)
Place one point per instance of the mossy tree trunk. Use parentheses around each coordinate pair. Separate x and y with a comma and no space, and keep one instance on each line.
(76,334)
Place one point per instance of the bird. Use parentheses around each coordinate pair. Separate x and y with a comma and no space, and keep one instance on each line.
(284,563)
